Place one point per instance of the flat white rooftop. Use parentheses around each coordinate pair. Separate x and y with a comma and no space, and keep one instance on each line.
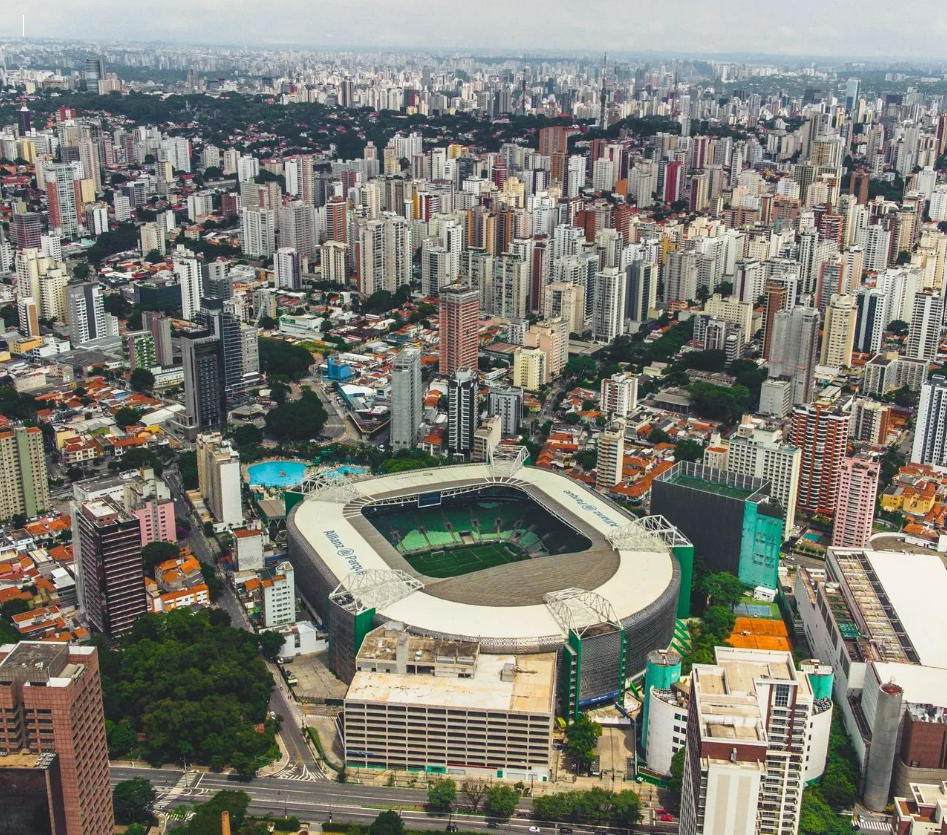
(916,585)
(531,690)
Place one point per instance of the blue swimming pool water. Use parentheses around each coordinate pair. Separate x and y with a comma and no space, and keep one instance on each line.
(277,473)
(812,537)
(347,469)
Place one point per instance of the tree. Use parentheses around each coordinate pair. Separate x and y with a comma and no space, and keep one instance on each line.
(16,405)
(247,435)
(442,794)
(81,271)
(658,436)
(206,819)
(271,643)
(74,473)
(279,357)
(155,553)
(501,800)
(154,257)
(297,420)
(187,466)
(388,822)
(723,589)
(267,323)
(688,450)
(581,367)
(474,792)
(581,738)
(142,379)
(898,327)
(132,800)
(139,457)
(126,416)
(676,782)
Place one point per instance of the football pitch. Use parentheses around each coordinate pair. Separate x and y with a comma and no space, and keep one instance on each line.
(465,559)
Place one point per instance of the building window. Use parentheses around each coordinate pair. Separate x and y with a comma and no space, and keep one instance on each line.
(782,695)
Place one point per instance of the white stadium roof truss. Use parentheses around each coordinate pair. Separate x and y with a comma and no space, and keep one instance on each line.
(505,460)
(578,610)
(374,589)
(651,533)
(329,486)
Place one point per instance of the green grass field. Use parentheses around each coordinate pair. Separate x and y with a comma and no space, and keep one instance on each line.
(465,559)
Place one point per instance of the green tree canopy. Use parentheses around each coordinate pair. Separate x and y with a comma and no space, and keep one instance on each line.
(723,589)
(688,450)
(279,357)
(442,794)
(127,416)
(297,420)
(132,800)
(187,466)
(581,738)
(388,822)
(142,379)
(501,800)
(595,806)
(247,435)
(676,782)
(15,405)
(271,642)
(196,688)
(138,457)
(206,819)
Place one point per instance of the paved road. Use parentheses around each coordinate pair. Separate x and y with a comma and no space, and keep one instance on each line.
(316,801)
(281,702)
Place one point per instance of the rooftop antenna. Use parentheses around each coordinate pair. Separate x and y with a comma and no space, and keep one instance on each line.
(602,118)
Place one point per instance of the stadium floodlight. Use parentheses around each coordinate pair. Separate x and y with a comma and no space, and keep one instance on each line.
(506,459)
(329,486)
(577,610)
(375,589)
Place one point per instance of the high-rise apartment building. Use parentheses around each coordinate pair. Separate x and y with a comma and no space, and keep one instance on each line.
(608,316)
(753,724)
(205,395)
(111,580)
(24,488)
(507,404)
(463,395)
(820,430)
(62,199)
(758,449)
(220,319)
(297,228)
(459,325)
(858,490)
(159,326)
(287,274)
(930,432)
(794,350)
(777,299)
(839,332)
(218,474)
(529,368)
(190,277)
(610,456)
(52,699)
(871,319)
(385,252)
(927,325)
(406,399)
(87,317)
(619,395)
(259,232)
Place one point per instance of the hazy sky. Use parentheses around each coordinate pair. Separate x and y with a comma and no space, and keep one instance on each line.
(870,28)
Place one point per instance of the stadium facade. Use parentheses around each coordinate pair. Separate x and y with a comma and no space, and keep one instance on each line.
(564,570)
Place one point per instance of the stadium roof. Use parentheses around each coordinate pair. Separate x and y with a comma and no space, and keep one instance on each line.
(486,605)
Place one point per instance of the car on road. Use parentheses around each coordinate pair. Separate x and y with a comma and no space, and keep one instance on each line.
(493,825)
(667,818)
(535,829)
(565,830)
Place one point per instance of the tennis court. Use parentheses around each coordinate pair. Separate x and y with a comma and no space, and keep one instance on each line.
(464,560)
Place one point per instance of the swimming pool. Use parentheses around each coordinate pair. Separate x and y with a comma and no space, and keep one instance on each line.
(812,537)
(348,469)
(277,473)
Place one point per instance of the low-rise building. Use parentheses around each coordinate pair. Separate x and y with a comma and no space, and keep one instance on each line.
(419,702)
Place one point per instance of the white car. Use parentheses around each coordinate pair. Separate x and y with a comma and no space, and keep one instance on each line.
(535,829)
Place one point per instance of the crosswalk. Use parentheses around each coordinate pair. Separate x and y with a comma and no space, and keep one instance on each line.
(299,772)
(188,785)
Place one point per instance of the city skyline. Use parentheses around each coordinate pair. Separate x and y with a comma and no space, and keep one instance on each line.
(843,30)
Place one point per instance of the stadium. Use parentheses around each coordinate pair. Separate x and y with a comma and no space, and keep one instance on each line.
(520,560)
